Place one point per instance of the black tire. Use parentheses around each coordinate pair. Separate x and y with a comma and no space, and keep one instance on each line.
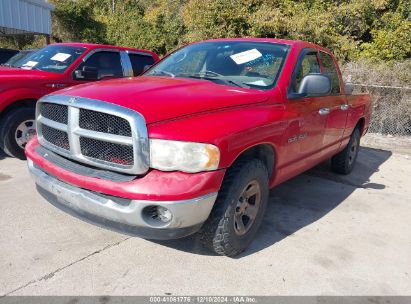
(219,231)
(344,161)
(8,129)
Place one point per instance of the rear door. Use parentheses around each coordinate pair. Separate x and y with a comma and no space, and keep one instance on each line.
(336,103)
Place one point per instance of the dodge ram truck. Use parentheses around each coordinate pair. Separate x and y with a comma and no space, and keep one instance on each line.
(196,142)
(52,68)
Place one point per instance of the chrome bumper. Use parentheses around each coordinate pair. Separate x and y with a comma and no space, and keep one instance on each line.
(127,215)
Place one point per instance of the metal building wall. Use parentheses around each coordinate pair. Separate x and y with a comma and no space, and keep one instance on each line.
(25,16)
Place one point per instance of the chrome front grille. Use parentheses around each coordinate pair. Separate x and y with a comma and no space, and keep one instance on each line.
(93,132)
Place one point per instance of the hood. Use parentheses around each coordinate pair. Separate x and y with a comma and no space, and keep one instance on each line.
(16,73)
(162,98)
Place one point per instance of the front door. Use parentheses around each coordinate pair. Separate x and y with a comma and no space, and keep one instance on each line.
(304,137)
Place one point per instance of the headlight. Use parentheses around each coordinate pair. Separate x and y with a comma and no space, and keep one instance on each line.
(170,155)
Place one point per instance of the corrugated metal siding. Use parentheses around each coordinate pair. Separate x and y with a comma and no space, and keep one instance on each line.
(25,16)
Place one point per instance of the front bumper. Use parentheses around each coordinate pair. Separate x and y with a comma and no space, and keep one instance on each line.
(124,215)
(154,186)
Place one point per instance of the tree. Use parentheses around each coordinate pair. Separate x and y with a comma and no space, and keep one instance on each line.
(74,21)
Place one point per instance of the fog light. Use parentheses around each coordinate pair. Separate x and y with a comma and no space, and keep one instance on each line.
(157,216)
(164,214)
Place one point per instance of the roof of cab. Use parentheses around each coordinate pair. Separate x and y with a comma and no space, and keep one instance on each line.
(91,46)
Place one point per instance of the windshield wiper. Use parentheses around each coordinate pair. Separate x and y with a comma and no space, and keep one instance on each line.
(234,82)
(209,73)
(203,75)
(161,72)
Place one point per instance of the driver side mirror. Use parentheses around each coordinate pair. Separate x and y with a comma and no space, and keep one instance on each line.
(86,73)
(315,84)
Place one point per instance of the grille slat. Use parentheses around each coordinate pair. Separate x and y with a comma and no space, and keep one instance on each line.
(56,137)
(103,122)
(55,112)
(106,151)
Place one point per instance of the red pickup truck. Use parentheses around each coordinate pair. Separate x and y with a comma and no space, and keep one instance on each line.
(195,143)
(52,68)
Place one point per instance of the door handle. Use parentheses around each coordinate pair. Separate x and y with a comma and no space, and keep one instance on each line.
(324,111)
(344,107)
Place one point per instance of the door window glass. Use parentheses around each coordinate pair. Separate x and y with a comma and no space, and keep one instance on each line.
(139,62)
(308,65)
(108,64)
(331,71)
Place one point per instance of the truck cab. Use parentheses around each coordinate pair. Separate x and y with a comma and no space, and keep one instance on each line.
(52,68)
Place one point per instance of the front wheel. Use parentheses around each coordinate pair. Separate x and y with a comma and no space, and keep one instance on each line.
(238,210)
(16,129)
(344,161)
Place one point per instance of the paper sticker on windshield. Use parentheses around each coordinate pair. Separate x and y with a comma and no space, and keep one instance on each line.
(30,64)
(260,83)
(60,57)
(246,56)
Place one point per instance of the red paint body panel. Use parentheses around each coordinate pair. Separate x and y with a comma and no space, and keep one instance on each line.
(18,84)
(234,119)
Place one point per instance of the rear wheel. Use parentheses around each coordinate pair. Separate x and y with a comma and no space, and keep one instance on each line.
(239,209)
(16,129)
(344,161)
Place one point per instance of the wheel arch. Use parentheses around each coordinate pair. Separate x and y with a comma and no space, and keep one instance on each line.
(264,151)
(22,103)
(361,125)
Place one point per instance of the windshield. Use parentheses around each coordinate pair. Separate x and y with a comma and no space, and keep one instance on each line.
(53,58)
(235,63)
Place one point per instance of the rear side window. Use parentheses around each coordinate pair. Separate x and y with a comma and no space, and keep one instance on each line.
(331,71)
(308,65)
(139,61)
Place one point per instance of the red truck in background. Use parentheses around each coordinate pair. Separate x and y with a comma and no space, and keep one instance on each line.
(196,142)
(52,68)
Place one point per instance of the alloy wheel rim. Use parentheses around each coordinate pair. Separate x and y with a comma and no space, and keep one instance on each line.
(24,132)
(247,207)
